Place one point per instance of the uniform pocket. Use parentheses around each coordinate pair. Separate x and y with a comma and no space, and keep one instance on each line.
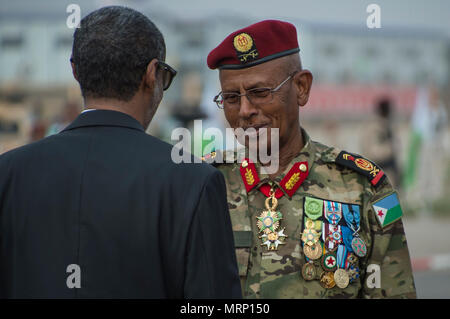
(242,257)
(242,242)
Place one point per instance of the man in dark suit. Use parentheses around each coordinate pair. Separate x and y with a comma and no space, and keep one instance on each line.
(100,210)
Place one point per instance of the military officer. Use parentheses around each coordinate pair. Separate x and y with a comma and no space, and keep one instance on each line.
(327,223)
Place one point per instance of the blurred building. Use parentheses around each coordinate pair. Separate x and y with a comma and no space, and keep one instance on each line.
(352,65)
(345,55)
(35,48)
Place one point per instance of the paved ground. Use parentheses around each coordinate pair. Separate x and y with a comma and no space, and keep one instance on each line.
(433,284)
(428,237)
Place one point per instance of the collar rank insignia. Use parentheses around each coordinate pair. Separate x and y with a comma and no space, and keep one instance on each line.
(363,166)
(249,174)
(295,177)
(290,183)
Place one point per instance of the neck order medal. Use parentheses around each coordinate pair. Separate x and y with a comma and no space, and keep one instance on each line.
(268,223)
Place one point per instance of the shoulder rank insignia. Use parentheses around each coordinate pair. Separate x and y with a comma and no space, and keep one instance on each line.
(387,209)
(362,166)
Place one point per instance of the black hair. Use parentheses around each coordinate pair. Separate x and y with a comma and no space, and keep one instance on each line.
(111,50)
(383,107)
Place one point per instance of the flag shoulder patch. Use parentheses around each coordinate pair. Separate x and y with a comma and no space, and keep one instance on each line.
(387,209)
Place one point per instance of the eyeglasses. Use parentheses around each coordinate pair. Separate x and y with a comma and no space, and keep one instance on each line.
(255,96)
(168,75)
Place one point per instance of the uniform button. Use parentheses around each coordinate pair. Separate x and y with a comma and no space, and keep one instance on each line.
(244,164)
(302,167)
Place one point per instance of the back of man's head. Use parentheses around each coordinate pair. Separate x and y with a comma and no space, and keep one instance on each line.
(111,51)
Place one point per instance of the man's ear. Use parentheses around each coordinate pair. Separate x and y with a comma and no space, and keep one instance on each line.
(303,81)
(150,74)
(74,72)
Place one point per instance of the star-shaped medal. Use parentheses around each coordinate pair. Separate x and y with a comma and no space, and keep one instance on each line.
(273,239)
(269,221)
(310,236)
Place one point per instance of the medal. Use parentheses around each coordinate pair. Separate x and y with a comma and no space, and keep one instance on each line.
(327,280)
(273,239)
(336,236)
(347,237)
(341,256)
(310,236)
(332,235)
(359,247)
(309,271)
(313,207)
(310,223)
(341,278)
(268,223)
(333,212)
(353,273)
(313,252)
(314,224)
(352,218)
(269,220)
(329,261)
(352,259)
(351,215)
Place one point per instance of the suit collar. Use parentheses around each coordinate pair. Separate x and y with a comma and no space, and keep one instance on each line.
(104,118)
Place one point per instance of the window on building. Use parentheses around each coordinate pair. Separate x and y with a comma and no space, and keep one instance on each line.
(12,41)
(8,127)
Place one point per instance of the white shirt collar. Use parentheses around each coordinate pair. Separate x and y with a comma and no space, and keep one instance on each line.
(87,110)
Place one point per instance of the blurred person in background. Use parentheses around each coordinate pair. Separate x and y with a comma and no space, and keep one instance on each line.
(426,163)
(100,210)
(38,124)
(379,142)
(328,223)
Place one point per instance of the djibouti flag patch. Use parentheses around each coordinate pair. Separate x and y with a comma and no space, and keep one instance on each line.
(388,210)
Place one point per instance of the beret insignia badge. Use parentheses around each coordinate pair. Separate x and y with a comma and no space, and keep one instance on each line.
(243,42)
(245,47)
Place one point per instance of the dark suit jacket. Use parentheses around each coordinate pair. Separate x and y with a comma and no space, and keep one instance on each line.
(107,197)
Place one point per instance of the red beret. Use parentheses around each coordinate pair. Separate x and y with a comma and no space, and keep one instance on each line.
(255,44)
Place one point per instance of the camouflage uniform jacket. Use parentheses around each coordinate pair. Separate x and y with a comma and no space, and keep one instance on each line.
(277,274)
